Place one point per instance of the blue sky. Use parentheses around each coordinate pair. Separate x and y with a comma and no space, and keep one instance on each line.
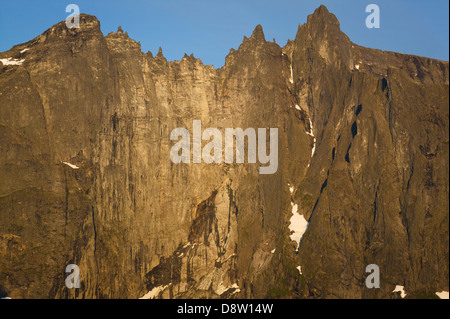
(209,28)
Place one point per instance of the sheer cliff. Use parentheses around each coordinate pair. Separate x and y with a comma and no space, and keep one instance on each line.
(87,179)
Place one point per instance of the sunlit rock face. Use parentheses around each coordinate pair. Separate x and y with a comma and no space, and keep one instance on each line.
(87,179)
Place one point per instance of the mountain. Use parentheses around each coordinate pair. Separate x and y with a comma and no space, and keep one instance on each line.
(87,178)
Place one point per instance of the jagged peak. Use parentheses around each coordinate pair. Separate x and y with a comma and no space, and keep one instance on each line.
(119,34)
(160,53)
(322,24)
(87,19)
(322,9)
(191,59)
(323,16)
(88,23)
(258,33)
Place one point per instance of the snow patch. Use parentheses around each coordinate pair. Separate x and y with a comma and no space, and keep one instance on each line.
(442,294)
(314,148)
(24,50)
(222,289)
(273,251)
(71,165)
(11,61)
(236,291)
(154,292)
(400,289)
(292,76)
(311,133)
(298,225)
(300,270)
(357,66)
(297,107)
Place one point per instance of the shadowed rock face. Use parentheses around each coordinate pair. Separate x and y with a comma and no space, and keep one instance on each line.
(375,190)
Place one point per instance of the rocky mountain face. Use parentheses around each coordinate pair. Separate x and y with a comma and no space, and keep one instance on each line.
(86,176)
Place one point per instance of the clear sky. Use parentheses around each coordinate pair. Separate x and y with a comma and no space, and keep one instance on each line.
(209,28)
